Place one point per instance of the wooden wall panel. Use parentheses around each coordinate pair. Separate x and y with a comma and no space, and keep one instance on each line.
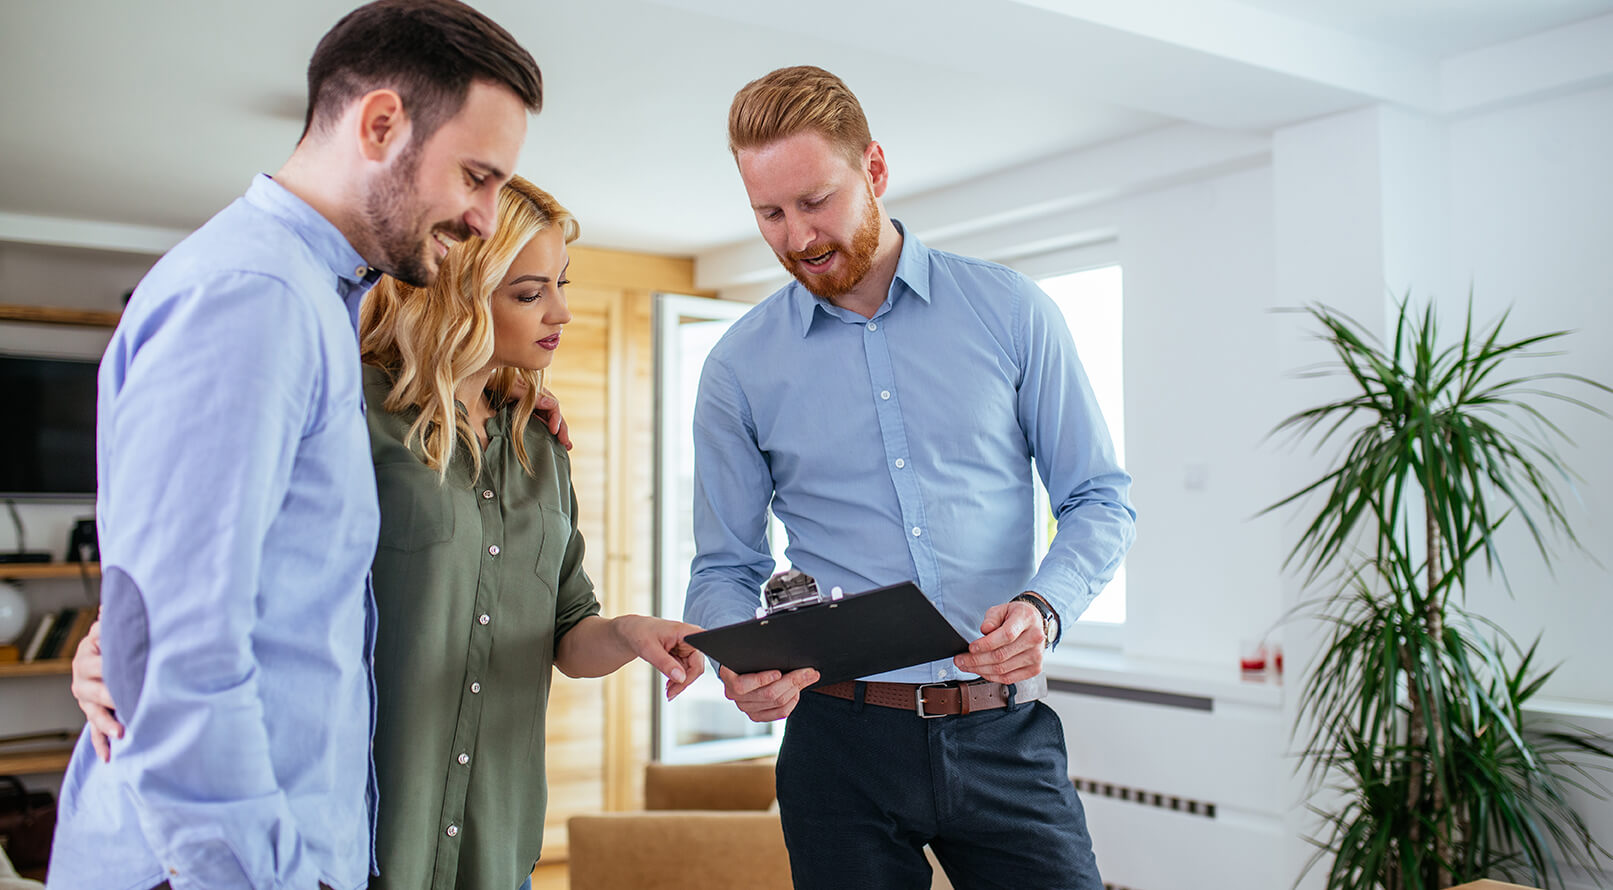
(576,715)
(599,730)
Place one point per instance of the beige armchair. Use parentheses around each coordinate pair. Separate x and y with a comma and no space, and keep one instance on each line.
(704,827)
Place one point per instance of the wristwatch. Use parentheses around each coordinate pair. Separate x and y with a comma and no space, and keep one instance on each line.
(1051,629)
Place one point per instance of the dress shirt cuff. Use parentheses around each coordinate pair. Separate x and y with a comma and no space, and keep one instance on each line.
(1065,590)
(711,615)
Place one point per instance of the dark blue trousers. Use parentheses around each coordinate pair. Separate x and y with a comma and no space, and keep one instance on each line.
(862,789)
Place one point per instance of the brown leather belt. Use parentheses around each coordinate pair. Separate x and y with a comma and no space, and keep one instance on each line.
(938,699)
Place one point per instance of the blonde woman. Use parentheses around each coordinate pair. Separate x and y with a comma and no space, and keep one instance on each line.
(479,573)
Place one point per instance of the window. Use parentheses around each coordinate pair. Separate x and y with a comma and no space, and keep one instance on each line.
(1091,303)
(702,725)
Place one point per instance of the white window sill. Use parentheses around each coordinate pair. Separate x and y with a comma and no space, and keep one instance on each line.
(1110,667)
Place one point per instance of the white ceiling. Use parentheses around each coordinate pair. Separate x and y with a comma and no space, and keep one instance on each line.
(158,113)
(1437,28)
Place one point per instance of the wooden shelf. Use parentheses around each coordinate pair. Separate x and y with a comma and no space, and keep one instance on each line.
(24,571)
(42,760)
(84,318)
(43,668)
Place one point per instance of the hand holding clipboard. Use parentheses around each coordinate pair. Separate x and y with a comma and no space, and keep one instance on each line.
(843,639)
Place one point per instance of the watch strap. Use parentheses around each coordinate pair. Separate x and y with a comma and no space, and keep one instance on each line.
(1049,616)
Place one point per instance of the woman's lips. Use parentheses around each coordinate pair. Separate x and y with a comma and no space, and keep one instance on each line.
(550,342)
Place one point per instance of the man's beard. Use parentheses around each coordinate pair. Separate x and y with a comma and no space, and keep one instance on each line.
(400,234)
(859,257)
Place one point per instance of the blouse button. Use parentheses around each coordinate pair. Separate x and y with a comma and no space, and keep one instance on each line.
(453,831)
(464,759)
(493,550)
(475,688)
(487,494)
(885,394)
(873,326)
(486,618)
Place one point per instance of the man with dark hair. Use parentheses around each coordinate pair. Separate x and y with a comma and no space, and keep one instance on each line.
(935,379)
(237,500)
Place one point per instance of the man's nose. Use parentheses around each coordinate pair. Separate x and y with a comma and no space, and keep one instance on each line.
(800,234)
(482,217)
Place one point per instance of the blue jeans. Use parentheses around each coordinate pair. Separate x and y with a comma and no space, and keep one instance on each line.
(863,788)
(527,885)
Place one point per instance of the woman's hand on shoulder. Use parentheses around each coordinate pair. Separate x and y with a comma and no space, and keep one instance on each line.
(661,643)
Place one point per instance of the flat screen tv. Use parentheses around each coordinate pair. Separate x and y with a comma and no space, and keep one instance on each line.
(47,427)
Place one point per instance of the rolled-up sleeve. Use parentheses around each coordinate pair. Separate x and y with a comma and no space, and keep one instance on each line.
(208,403)
(575,598)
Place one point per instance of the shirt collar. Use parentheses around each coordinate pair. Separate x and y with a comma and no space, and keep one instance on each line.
(912,270)
(328,243)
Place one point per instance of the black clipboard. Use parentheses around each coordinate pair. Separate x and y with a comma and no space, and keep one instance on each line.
(855,636)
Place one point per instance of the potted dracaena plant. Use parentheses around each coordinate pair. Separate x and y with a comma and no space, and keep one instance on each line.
(1421,765)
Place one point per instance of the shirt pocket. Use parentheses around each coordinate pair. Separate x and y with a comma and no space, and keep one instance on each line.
(556,530)
(416,510)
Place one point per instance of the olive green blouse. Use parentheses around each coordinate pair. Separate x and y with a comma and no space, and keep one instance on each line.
(476,585)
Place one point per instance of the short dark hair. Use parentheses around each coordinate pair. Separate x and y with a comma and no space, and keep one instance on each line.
(429,51)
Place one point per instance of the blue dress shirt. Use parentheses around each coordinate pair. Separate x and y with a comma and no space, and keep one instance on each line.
(898,448)
(237,512)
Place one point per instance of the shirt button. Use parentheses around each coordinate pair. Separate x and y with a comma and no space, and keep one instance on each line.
(486,618)
(487,495)
(493,550)
(475,688)
(873,326)
(453,831)
(917,531)
(900,463)
(884,393)
(361,271)
(464,759)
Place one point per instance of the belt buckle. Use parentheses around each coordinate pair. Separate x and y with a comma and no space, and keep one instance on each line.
(918,695)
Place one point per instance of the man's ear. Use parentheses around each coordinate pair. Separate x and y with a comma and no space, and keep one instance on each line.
(383,125)
(875,169)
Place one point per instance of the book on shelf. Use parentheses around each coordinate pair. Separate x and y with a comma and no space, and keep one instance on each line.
(58,634)
(76,632)
(41,630)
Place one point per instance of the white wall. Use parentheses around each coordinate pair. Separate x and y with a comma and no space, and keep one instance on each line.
(1200,374)
(1532,195)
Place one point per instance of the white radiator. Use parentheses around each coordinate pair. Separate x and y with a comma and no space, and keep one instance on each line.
(1188,785)
(1182,792)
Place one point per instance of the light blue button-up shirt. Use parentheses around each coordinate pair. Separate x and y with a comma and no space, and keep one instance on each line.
(237,513)
(899,448)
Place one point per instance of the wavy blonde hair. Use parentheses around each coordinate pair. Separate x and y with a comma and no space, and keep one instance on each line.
(431,339)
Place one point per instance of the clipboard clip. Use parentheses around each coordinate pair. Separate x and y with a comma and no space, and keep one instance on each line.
(790,590)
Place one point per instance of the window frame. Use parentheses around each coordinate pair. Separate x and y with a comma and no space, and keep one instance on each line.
(1068,261)
(667,310)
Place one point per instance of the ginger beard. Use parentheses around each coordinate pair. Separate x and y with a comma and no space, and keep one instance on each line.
(859,258)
